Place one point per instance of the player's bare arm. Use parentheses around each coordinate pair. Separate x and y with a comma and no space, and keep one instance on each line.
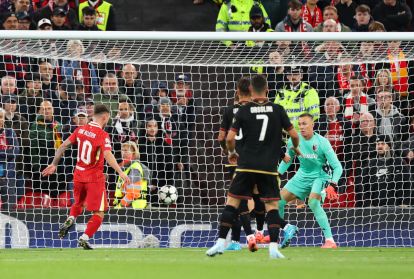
(110,159)
(231,147)
(222,140)
(49,170)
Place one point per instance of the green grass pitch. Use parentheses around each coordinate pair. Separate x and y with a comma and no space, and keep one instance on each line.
(350,263)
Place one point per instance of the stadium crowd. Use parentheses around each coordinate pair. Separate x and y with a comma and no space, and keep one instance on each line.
(365,109)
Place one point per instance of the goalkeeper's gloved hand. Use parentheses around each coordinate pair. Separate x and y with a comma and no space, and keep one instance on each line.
(115,202)
(331,191)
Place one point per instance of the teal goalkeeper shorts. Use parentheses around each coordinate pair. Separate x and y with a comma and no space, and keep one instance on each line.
(301,187)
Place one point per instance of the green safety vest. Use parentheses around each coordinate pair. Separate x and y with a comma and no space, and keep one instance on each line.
(305,99)
(102,13)
(141,202)
(239,20)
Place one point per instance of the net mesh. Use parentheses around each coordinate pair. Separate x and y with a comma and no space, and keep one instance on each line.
(49,87)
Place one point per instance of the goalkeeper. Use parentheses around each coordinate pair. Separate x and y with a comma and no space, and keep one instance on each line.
(312,176)
(134,194)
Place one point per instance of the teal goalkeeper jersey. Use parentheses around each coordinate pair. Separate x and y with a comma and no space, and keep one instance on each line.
(317,159)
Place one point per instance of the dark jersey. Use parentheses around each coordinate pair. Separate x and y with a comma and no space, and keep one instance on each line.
(227,121)
(262,125)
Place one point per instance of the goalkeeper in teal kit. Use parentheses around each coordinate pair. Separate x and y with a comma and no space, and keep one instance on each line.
(316,177)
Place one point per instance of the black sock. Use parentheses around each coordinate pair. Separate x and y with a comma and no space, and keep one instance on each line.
(235,230)
(227,220)
(259,212)
(274,223)
(245,217)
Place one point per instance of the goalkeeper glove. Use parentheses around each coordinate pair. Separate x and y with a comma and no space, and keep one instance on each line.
(331,191)
(115,202)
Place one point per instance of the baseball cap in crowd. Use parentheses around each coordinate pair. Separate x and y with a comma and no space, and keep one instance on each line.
(59,11)
(384,138)
(182,77)
(89,101)
(7,99)
(80,112)
(256,11)
(293,70)
(23,15)
(44,21)
(165,101)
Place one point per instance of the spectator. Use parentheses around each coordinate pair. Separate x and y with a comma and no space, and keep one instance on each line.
(23,6)
(167,123)
(45,138)
(387,180)
(47,11)
(124,127)
(105,12)
(88,105)
(13,120)
(402,74)
(9,150)
(24,21)
(58,19)
(158,155)
(376,26)
(408,148)
(9,21)
(368,51)
(79,70)
(395,15)
(66,103)
(330,12)
(8,85)
(133,88)
(362,19)
(181,88)
(294,22)
(134,194)
(329,25)
(235,16)
(298,97)
(338,131)
(356,102)
(389,120)
(31,97)
(17,67)
(49,80)
(363,148)
(311,13)
(343,76)
(88,20)
(44,24)
(110,95)
(346,11)
(258,24)
(383,82)
(159,90)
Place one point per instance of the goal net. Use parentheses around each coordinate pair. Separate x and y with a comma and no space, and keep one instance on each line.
(166,93)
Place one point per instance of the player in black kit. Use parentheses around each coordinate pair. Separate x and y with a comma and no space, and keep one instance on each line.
(261,122)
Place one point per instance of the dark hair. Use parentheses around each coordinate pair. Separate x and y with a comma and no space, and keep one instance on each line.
(89,11)
(100,109)
(259,83)
(332,8)
(359,78)
(295,5)
(306,114)
(243,86)
(363,9)
(376,26)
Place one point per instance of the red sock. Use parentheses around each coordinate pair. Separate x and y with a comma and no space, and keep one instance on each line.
(75,210)
(93,225)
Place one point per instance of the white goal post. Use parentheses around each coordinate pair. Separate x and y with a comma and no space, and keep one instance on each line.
(72,70)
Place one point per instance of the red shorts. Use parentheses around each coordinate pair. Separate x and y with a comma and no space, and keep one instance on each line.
(91,194)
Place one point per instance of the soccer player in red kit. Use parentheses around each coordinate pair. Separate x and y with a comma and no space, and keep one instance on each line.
(89,180)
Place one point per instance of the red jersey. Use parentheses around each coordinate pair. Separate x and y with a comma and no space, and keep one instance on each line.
(335,136)
(92,141)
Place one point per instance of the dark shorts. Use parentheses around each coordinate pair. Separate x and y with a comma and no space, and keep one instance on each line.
(231,170)
(243,183)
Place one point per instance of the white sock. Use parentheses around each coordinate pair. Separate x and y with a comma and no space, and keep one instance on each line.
(84,237)
(221,241)
(286,226)
(72,218)
(273,246)
(330,239)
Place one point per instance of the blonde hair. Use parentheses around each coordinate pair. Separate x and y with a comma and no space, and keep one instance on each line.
(72,43)
(132,147)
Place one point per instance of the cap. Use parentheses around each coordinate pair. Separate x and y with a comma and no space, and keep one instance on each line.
(293,70)
(44,21)
(5,16)
(9,99)
(23,15)
(256,11)
(182,77)
(79,112)
(164,101)
(384,138)
(59,11)
(89,101)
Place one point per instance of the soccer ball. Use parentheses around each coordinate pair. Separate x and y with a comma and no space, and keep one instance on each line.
(168,194)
